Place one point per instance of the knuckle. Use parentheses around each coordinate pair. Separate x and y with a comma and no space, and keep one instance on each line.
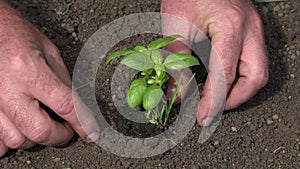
(236,15)
(65,105)
(40,134)
(232,22)
(15,110)
(15,141)
(26,66)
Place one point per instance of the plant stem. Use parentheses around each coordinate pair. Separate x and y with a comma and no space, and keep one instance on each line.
(169,107)
(168,110)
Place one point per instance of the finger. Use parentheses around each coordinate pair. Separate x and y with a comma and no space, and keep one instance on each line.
(57,65)
(3,149)
(50,90)
(35,123)
(224,57)
(11,136)
(253,71)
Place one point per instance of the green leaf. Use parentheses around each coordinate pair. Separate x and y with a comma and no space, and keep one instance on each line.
(136,92)
(156,56)
(117,54)
(152,97)
(138,61)
(139,48)
(147,72)
(159,43)
(160,71)
(180,61)
(138,82)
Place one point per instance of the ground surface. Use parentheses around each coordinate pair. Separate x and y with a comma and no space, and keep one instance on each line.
(263,133)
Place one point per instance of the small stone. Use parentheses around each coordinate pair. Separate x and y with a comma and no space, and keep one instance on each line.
(292,75)
(74,35)
(110,104)
(275,117)
(68,27)
(234,129)
(216,142)
(195,166)
(280,14)
(121,95)
(276,8)
(56,159)
(269,121)
(264,10)
(287,6)
(293,57)
(28,162)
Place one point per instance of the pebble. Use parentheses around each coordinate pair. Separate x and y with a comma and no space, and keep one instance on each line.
(275,117)
(265,10)
(293,57)
(269,121)
(28,162)
(216,143)
(121,95)
(56,159)
(110,104)
(276,8)
(292,75)
(195,166)
(74,35)
(68,27)
(234,129)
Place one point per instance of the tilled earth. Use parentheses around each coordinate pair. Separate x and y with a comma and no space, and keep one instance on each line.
(263,133)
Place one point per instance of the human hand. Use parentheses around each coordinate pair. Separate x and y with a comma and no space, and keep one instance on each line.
(32,71)
(238,55)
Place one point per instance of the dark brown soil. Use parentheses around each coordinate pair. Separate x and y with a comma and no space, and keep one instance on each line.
(263,133)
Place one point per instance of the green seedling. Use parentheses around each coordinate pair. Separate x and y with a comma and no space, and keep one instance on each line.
(147,91)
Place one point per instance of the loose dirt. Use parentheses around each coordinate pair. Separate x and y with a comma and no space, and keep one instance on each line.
(263,133)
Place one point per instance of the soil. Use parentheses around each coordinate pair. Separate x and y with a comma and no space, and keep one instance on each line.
(263,133)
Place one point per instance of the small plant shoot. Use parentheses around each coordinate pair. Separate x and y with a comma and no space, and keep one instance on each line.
(147,91)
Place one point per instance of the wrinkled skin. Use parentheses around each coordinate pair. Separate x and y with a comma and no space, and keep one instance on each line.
(32,71)
(239,55)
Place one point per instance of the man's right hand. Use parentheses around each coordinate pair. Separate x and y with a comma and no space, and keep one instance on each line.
(32,71)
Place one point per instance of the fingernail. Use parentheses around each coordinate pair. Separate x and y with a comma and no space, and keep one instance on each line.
(93,137)
(207,122)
